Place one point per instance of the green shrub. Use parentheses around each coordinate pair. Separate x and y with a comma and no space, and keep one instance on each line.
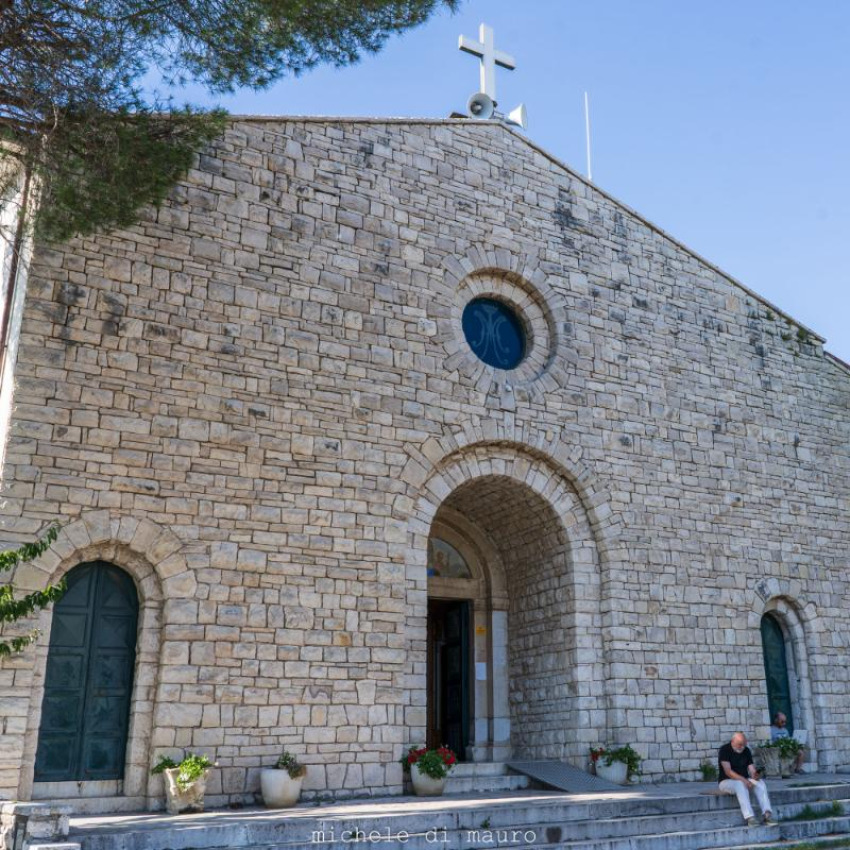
(191,768)
(291,765)
(788,747)
(627,756)
(834,810)
(708,769)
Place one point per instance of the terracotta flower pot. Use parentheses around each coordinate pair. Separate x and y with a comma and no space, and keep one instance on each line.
(280,790)
(424,785)
(177,799)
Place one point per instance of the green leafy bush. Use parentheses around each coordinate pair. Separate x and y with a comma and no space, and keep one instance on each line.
(14,608)
(191,769)
(788,747)
(627,755)
(708,769)
(291,765)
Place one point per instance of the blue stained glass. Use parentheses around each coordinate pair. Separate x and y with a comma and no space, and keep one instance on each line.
(494,332)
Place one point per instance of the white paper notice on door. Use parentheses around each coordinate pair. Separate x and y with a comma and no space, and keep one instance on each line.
(480,671)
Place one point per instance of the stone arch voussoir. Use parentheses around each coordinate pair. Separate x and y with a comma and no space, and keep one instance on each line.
(536,459)
(427,462)
(153,556)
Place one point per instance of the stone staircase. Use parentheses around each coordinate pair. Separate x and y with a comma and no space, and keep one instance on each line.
(484,777)
(638,818)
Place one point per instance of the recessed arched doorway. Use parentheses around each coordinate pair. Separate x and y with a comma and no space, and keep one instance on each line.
(529,589)
(89,677)
(788,685)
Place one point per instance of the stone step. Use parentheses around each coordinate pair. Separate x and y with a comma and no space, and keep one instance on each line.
(480,768)
(423,833)
(806,829)
(792,840)
(595,822)
(95,805)
(539,839)
(485,784)
(644,833)
(624,827)
(483,778)
(681,840)
(559,808)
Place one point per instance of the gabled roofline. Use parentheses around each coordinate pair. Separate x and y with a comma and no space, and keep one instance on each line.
(837,361)
(327,119)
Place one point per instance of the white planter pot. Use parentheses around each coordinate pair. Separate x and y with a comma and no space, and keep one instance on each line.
(616,772)
(177,800)
(424,785)
(280,790)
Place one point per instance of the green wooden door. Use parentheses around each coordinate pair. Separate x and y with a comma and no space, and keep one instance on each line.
(89,680)
(776,670)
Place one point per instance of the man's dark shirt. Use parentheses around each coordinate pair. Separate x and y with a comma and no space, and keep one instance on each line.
(739,761)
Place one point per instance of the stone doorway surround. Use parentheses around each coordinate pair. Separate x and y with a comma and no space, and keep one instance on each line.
(152,556)
(482,466)
(798,620)
(488,599)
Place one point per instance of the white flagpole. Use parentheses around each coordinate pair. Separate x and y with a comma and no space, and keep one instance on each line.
(587,134)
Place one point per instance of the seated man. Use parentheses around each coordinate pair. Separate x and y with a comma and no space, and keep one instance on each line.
(779,729)
(738,775)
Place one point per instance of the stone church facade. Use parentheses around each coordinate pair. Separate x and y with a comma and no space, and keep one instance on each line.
(316,519)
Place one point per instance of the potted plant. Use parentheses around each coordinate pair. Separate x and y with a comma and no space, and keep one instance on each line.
(780,756)
(185,782)
(281,784)
(766,758)
(596,753)
(616,765)
(429,769)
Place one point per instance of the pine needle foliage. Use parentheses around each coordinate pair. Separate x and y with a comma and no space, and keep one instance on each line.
(13,608)
(105,166)
(74,107)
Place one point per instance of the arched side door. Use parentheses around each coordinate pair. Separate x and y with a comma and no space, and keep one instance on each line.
(89,680)
(776,669)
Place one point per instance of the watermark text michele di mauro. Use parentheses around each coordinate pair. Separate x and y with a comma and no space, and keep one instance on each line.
(475,837)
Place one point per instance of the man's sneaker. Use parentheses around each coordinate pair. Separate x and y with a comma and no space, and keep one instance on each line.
(752,822)
(768,819)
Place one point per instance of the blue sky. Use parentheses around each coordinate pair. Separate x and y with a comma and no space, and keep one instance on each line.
(726,123)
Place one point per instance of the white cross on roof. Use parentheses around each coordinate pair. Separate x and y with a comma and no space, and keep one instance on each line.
(485,49)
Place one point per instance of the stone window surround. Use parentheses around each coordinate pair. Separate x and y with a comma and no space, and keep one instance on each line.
(518,281)
(528,307)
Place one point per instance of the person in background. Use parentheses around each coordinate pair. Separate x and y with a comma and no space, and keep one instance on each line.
(738,775)
(779,729)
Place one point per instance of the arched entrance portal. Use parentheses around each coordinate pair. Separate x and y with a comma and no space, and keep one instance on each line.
(513,616)
(89,679)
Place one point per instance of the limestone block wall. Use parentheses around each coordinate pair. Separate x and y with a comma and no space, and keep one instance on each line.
(270,372)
